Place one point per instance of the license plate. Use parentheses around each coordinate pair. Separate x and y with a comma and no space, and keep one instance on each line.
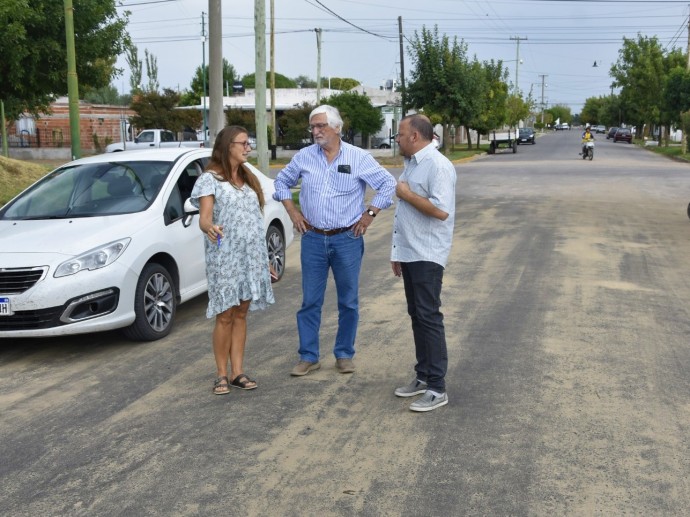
(5,307)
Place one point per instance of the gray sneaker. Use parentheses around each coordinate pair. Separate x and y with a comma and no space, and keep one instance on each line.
(429,401)
(416,387)
(304,367)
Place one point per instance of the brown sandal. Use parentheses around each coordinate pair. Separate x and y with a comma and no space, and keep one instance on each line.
(243,382)
(221,386)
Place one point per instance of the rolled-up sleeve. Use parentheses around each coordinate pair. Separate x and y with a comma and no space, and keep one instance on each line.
(287,179)
(379,179)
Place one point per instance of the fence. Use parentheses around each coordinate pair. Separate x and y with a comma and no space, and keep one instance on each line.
(41,138)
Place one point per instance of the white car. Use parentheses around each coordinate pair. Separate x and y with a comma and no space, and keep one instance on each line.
(105,242)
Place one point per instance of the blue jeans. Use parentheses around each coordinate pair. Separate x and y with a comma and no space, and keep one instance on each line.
(423,282)
(342,253)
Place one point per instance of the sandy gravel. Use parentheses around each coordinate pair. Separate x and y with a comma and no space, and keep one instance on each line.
(566,304)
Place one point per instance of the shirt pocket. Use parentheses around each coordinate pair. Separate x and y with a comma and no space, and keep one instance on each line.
(342,183)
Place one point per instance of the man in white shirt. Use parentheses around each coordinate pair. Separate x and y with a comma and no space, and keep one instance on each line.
(422,238)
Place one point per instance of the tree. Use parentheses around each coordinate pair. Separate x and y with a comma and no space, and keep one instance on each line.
(155,110)
(359,116)
(676,94)
(106,95)
(151,71)
(590,111)
(135,67)
(443,82)
(560,112)
(33,65)
(302,81)
(517,109)
(192,97)
(249,81)
(339,83)
(292,125)
(640,72)
(494,95)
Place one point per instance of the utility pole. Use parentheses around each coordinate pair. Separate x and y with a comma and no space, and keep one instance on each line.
(543,76)
(215,69)
(684,139)
(72,82)
(402,66)
(274,124)
(260,92)
(517,59)
(318,65)
(5,150)
(203,72)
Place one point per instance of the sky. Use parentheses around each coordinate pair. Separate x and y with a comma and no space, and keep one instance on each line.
(558,41)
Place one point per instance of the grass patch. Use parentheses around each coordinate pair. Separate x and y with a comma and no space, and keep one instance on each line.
(675,152)
(16,175)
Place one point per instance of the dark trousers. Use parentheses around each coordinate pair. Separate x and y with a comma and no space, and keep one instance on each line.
(423,282)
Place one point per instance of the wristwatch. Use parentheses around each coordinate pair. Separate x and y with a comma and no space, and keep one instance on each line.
(371,212)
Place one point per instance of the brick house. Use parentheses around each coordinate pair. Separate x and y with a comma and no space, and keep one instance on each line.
(48,136)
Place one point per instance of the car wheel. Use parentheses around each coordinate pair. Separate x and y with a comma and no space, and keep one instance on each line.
(154,305)
(688,210)
(275,241)
(384,146)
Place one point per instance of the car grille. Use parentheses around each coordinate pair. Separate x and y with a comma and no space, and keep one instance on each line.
(30,320)
(19,280)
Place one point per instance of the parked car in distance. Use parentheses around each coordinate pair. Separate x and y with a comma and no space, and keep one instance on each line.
(380,142)
(623,135)
(526,135)
(600,129)
(612,131)
(106,243)
(153,139)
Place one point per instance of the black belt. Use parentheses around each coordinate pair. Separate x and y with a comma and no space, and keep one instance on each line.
(334,231)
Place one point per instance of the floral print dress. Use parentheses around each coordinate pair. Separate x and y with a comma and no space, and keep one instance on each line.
(237,269)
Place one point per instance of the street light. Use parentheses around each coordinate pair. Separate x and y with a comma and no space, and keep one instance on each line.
(517,62)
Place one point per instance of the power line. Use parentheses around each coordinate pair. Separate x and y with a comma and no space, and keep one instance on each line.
(346,21)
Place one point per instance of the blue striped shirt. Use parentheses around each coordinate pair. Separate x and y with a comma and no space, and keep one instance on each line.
(416,236)
(330,196)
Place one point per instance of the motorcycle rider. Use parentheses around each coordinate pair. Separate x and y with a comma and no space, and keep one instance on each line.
(587,136)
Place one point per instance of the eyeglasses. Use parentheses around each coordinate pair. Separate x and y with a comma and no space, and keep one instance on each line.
(246,143)
(312,127)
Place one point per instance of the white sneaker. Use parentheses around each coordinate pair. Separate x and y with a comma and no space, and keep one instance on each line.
(429,401)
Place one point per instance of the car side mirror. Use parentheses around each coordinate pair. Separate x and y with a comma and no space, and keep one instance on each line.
(189,212)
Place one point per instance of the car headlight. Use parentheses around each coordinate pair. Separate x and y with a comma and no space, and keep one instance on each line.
(93,259)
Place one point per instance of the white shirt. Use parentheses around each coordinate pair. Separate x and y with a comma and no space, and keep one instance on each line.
(416,236)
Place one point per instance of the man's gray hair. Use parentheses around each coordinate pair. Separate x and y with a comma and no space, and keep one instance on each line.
(332,115)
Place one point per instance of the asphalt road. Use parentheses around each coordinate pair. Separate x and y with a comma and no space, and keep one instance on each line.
(566,305)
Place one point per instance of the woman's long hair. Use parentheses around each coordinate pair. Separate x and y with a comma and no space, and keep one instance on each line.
(220,160)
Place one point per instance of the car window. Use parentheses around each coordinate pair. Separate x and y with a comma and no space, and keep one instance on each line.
(181,192)
(88,190)
(146,137)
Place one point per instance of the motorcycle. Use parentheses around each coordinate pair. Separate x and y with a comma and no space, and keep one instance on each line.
(588,150)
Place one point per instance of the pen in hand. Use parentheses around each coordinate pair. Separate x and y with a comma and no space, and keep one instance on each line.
(218,239)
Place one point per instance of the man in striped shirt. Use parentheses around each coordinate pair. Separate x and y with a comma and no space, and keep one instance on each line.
(422,237)
(332,220)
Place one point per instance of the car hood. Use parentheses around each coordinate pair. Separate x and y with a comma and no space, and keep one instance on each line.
(67,237)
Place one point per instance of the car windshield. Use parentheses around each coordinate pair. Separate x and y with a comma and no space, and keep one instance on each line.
(525,130)
(89,190)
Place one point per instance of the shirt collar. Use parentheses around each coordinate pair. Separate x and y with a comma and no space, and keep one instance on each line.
(422,153)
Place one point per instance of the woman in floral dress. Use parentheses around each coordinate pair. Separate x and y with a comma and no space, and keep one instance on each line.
(230,202)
